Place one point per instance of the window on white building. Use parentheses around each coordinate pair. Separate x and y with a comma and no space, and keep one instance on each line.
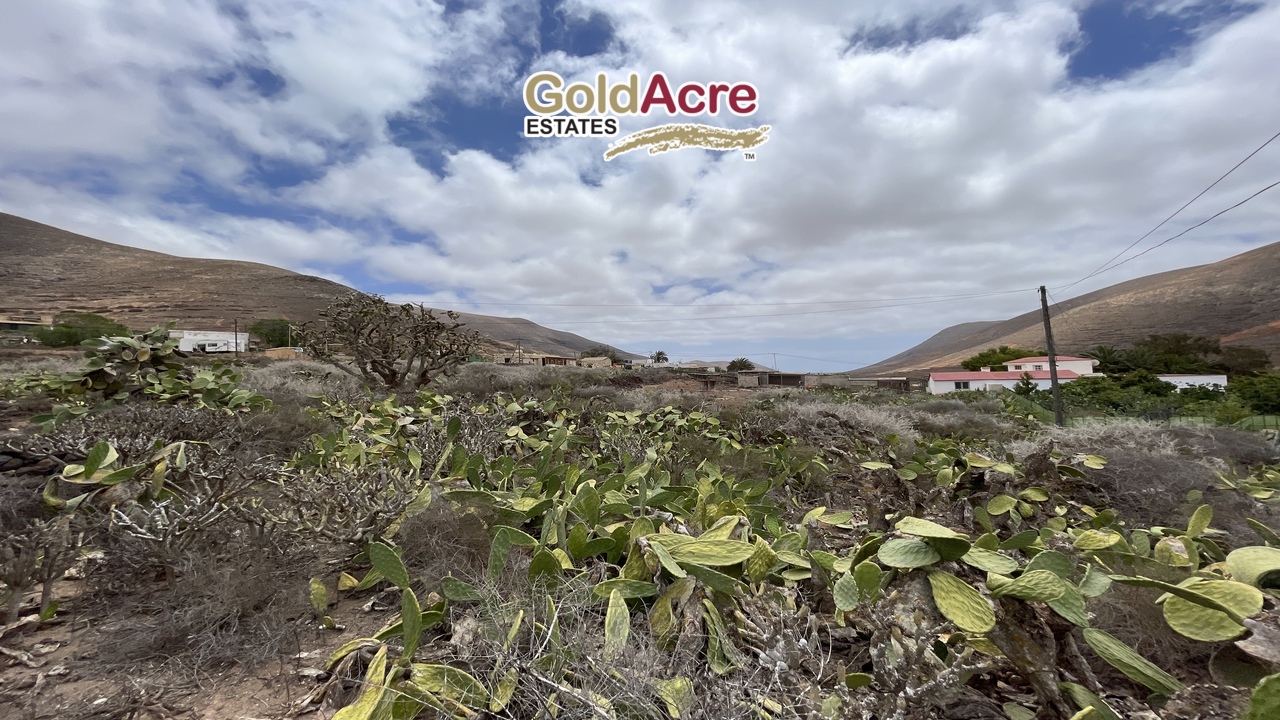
(1037,367)
(962,384)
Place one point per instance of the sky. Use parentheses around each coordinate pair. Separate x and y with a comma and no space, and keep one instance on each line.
(928,163)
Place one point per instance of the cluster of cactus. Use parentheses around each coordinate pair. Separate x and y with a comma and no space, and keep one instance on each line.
(38,553)
(150,363)
(1261,483)
(701,555)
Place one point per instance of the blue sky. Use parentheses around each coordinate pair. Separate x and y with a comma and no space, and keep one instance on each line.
(923,154)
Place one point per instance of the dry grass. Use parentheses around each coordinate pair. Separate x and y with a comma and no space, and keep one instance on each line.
(301,378)
(1151,468)
(1131,614)
(442,541)
(821,421)
(11,368)
(650,399)
(232,603)
(486,379)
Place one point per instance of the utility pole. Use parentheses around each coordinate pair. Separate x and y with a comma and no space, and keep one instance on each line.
(236,344)
(1053,361)
(775,362)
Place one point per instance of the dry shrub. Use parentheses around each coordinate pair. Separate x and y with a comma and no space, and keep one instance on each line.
(598,394)
(441,541)
(580,669)
(650,399)
(967,425)
(135,428)
(232,602)
(977,418)
(284,428)
(1237,446)
(486,379)
(1131,614)
(1151,468)
(823,422)
(59,363)
(301,379)
(940,405)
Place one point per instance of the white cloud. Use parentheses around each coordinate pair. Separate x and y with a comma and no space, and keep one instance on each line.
(949,166)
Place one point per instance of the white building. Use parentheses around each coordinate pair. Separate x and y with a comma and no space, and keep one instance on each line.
(1186,381)
(945,382)
(1078,365)
(210,341)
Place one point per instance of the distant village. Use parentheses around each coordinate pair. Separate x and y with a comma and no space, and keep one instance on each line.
(712,374)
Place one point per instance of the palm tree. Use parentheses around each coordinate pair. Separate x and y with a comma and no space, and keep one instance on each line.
(1111,359)
(659,357)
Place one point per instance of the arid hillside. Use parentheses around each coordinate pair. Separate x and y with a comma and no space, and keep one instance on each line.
(1236,301)
(46,271)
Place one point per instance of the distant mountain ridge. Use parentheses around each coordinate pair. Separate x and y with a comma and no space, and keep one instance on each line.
(45,270)
(1236,300)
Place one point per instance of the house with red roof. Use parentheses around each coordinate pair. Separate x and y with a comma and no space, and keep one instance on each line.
(988,379)
(1069,368)
(1078,365)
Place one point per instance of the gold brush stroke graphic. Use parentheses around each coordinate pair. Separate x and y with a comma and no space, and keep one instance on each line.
(680,135)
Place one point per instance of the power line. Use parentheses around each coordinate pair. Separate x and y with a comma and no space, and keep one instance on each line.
(1103,267)
(1193,227)
(1062,314)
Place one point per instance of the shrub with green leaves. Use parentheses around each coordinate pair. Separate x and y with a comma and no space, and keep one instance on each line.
(150,365)
(70,329)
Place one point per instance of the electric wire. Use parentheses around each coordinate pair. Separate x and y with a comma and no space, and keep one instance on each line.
(1224,211)
(1103,267)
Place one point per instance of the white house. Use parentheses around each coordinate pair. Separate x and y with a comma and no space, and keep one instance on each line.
(1077,365)
(945,382)
(1186,381)
(210,341)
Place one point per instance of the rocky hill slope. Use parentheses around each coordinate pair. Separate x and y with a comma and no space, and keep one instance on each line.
(46,271)
(1236,300)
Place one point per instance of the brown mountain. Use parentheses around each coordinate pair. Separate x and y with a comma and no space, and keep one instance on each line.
(45,271)
(1236,300)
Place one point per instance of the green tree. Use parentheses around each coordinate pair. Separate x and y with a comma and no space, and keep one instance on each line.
(1026,387)
(398,346)
(72,328)
(1111,359)
(659,357)
(1173,353)
(603,351)
(740,364)
(1146,382)
(997,356)
(274,332)
(1261,393)
(1179,344)
(1238,360)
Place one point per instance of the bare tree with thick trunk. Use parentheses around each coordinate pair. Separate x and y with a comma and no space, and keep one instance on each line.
(398,346)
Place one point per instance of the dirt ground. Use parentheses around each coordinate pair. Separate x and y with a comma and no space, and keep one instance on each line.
(61,669)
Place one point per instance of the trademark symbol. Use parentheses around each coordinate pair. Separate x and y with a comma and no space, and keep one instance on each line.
(748,155)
